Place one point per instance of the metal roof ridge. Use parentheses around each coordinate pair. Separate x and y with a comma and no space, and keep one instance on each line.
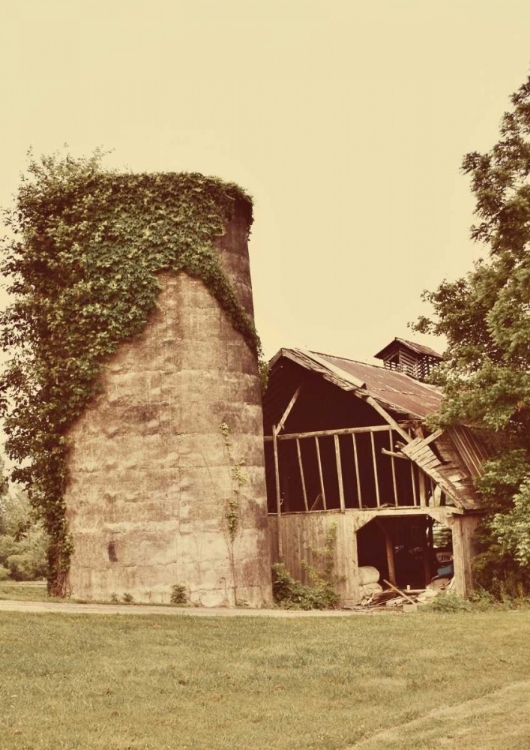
(347,359)
(357,382)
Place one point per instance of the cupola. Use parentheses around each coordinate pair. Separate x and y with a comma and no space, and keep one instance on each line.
(412,359)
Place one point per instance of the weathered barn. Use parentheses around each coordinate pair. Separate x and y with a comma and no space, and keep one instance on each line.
(347,448)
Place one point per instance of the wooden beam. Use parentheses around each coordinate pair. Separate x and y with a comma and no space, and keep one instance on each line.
(302,478)
(326,433)
(386,416)
(278,498)
(434,436)
(423,494)
(413,480)
(389,543)
(322,490)
(339,473)
(378,499)
(357,476)
(290,405)
(394,483)
(402,593)
(386,452)
(426,553)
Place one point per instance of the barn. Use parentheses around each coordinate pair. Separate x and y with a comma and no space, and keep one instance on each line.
(349,460)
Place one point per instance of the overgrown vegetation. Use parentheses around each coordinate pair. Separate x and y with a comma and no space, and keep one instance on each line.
(23,540)
(86,248)
(238,480)
(321,594)
(485,317)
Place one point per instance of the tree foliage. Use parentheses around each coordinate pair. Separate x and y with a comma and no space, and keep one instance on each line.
(485,317)
(85,249)
(23,540)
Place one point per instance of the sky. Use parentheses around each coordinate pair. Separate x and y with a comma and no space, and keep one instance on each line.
(347,120)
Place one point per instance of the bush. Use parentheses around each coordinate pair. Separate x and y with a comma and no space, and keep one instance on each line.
(178,594)
(23,540)
(26,560)
(4,573)
(291,594)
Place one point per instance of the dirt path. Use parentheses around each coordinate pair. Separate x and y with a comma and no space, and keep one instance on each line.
(71,608)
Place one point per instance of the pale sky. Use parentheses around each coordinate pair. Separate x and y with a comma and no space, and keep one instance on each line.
(346,120)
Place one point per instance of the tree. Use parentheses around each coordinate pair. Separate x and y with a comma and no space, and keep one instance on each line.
(23,540)
(485,317)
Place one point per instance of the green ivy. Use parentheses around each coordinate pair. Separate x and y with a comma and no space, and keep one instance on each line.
(86,249)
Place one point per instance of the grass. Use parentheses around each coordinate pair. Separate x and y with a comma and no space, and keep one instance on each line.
(160,683)
(26,592)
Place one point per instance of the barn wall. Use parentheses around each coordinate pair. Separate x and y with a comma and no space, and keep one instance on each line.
(303,533)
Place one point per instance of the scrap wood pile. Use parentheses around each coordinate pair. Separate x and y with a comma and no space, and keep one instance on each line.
(375,597)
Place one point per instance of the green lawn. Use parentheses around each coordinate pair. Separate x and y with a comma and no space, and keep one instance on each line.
(124,682)
(28,592)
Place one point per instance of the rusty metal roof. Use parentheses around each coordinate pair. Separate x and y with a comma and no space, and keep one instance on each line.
(393,390)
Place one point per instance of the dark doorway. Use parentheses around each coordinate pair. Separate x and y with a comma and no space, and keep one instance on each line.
(400,548)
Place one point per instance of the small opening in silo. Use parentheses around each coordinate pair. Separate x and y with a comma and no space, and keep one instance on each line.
(111,548)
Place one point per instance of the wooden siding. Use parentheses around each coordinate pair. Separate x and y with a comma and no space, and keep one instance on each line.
(303,533)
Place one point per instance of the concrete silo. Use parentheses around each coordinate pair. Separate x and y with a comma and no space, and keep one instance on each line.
(166,479)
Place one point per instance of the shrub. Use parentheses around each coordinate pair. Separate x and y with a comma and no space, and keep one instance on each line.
(292,594)
(178,594)
(25,558)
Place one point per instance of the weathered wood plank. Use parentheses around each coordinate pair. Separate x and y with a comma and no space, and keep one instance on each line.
(386,416)
(339,473)
(394,483)
(413,480)
(277,482)
(302,478)
(376,477)
(287,411)
(357,475)
(320,474)
(326,433)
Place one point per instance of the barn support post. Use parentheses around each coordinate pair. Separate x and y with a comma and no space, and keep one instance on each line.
(464,550)
(277,482)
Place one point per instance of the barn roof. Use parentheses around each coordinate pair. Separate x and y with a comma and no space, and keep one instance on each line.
(393,390)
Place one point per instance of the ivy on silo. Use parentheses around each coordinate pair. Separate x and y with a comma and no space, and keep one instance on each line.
(86,247)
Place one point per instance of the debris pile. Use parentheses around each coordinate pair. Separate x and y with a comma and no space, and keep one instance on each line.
(375,597)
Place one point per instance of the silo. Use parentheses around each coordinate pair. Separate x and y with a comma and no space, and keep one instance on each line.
(166,488)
